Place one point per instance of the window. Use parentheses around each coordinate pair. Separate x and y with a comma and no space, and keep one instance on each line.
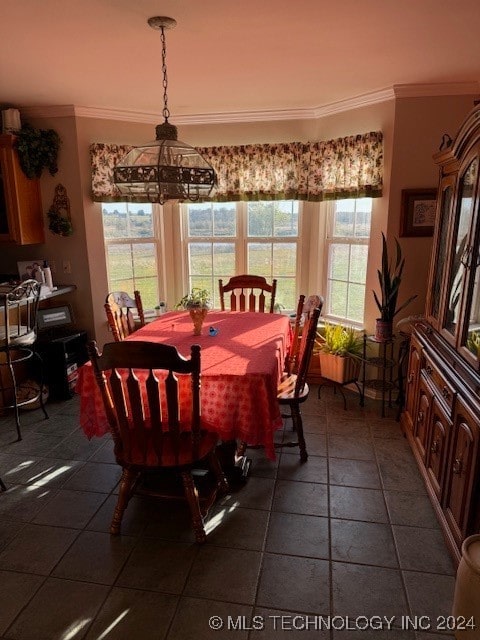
(131,248)
(224,239)
(219,240)
(348,235)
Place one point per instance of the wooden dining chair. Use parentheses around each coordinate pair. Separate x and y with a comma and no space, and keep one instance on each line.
(247,293)
(293,389)
(119,309)
(151,433)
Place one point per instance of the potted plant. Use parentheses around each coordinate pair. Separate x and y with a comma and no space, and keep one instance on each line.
(473,343)
(37,149)
(341,349)
(197,302)
(390,278)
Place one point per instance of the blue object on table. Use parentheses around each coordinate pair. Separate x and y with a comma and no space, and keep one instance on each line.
(212,331)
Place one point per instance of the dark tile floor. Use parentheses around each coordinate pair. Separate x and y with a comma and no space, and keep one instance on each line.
(341,541)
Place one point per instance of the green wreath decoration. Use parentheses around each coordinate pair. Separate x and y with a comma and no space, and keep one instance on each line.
(59,224)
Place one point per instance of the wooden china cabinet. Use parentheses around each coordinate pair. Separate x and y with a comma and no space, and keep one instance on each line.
(442,410)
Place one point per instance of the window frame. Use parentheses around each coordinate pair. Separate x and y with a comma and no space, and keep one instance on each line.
(157,239)
(241,242)
(329,209)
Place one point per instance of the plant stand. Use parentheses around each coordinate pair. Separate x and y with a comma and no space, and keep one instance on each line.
(338,386)
(384,363)
(338,371)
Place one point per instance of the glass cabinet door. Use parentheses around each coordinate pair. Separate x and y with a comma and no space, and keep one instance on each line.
(470,338)
(437,285)
(461,248)
(471,335)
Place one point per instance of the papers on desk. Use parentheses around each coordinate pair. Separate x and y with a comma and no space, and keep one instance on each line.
(45,291)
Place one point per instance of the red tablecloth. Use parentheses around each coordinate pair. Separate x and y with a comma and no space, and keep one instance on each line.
(241,368)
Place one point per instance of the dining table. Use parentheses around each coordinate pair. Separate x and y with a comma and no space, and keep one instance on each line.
(242,361)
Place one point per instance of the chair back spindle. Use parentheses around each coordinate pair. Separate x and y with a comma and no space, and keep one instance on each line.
(307,342)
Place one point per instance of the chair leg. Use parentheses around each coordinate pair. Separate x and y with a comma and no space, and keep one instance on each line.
(191,495)
(41,380)
(222,484)
(16,411)
(298,427)
(2,485)
(126,485)
(241,448)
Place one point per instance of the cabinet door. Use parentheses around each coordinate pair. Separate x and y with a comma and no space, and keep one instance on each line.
(440,428)
(7,225)
(413,374)
(461,473)
(436,286)
(461,249)
(422,421)
(21,215)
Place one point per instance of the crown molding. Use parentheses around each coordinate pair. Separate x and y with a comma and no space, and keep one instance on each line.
(363,100)
(439,89)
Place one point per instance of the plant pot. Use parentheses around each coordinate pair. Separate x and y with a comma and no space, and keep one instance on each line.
(198,316)
(340,369)
(383,330)
(466,600)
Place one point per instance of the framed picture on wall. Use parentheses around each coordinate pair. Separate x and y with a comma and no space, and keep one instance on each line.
(417,214)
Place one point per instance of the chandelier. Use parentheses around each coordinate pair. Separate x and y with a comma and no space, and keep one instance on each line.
(166,168)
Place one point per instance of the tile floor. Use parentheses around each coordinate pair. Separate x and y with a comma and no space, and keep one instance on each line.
(342,540)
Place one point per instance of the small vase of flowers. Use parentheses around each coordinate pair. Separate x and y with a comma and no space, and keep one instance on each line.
(197,303)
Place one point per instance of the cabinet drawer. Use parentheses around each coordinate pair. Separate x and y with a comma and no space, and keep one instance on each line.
(446,392)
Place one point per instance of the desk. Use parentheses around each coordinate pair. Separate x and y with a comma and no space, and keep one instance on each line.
(241,368)
(58,290)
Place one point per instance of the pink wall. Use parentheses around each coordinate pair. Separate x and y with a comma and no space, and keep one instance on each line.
(412,130)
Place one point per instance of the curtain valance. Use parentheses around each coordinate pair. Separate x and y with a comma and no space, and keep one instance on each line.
(350,167)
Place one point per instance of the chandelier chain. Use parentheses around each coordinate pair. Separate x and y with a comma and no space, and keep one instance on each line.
(166,169)
(165,112)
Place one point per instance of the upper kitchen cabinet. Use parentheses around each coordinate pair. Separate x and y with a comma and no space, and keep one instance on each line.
(21,216)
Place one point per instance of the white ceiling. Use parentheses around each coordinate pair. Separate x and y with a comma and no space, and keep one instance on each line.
(230,56)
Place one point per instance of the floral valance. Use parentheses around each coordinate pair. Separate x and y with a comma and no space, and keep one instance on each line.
(350,167)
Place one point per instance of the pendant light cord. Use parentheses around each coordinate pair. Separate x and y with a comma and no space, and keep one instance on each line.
(165,112)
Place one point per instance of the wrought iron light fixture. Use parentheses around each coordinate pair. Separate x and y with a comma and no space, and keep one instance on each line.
(166,168)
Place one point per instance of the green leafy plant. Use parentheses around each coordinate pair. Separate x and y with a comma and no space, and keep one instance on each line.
(197,298)
(473,342)
(390,278)
(340,340)
(59,224)
(37,149)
